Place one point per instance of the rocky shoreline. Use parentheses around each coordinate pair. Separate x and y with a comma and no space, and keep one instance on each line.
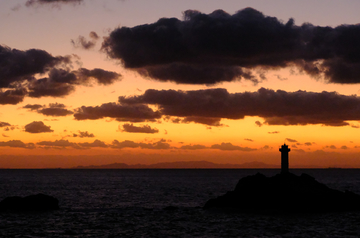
(284,193)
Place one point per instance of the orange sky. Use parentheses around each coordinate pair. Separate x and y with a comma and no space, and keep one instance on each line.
(83,78)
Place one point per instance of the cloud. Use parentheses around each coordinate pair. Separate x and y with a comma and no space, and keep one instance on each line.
(193,147)
(17,144)
(3,124)
(81,41)
(55,110)
(17,66)
(344,147)
(258,123)
(276,107)
(37,127)
(249,139)
(96,143)
(12,96)
(229,146)
(33,107)
(196,119)
(114,110)
(101,76)
(308,143)
(83,134)
(159,145)
(217,47)
(274,132)
(139,129)
(62,82)
(53,3)
(291,140)
(57,143)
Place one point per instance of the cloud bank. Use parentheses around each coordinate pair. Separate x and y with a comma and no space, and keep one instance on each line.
(219,47)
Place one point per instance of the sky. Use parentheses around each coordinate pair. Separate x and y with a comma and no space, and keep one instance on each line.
(85,82)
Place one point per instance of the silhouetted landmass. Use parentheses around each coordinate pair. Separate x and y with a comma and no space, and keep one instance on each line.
(181,165)
(38,202)
(284,192)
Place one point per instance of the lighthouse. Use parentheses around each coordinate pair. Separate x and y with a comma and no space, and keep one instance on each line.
(284,158)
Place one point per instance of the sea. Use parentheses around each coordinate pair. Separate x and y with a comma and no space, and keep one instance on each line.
(161,203)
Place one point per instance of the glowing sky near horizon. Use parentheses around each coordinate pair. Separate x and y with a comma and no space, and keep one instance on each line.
(100,90)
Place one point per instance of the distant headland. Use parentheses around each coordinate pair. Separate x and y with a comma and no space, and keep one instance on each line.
(183,165)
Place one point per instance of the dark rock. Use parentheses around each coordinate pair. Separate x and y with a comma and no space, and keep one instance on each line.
(284,192)
(170,208)
(38,202)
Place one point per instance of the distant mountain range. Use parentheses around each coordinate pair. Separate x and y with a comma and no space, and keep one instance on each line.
(182,165)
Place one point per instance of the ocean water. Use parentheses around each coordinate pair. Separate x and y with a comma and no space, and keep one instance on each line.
(161,203)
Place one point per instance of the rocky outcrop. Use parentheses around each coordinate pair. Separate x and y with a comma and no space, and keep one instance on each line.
(284,193)
(38,202)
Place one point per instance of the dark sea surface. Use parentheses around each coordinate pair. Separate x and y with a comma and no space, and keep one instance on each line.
(161,203)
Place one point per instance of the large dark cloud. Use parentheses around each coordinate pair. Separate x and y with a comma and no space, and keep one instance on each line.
(210,48)
(37,127)
(20,71)
(17,65)
(114,110)
(276,107)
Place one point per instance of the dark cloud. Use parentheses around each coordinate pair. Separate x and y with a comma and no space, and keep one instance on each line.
(344,147)
(17,144)
(83,134)
(55,110)
(159,145)
(139,129)
(258,123)
(193,147)
(3,124)
(308,143)
(37,127)
(249,139)
(62,144)
(217,47)
(12,96)
(62,82)
(57,143)
(32,107)
(17,66)
(291,140)
(59,83)
(101,76)
(276,107)
(113,110)
(55,3)
(229,146)
(81,41)
(95,143)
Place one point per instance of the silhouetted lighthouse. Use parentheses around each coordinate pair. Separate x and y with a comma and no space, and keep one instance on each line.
(284,158)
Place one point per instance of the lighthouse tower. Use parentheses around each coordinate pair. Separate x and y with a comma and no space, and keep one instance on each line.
(284,158)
